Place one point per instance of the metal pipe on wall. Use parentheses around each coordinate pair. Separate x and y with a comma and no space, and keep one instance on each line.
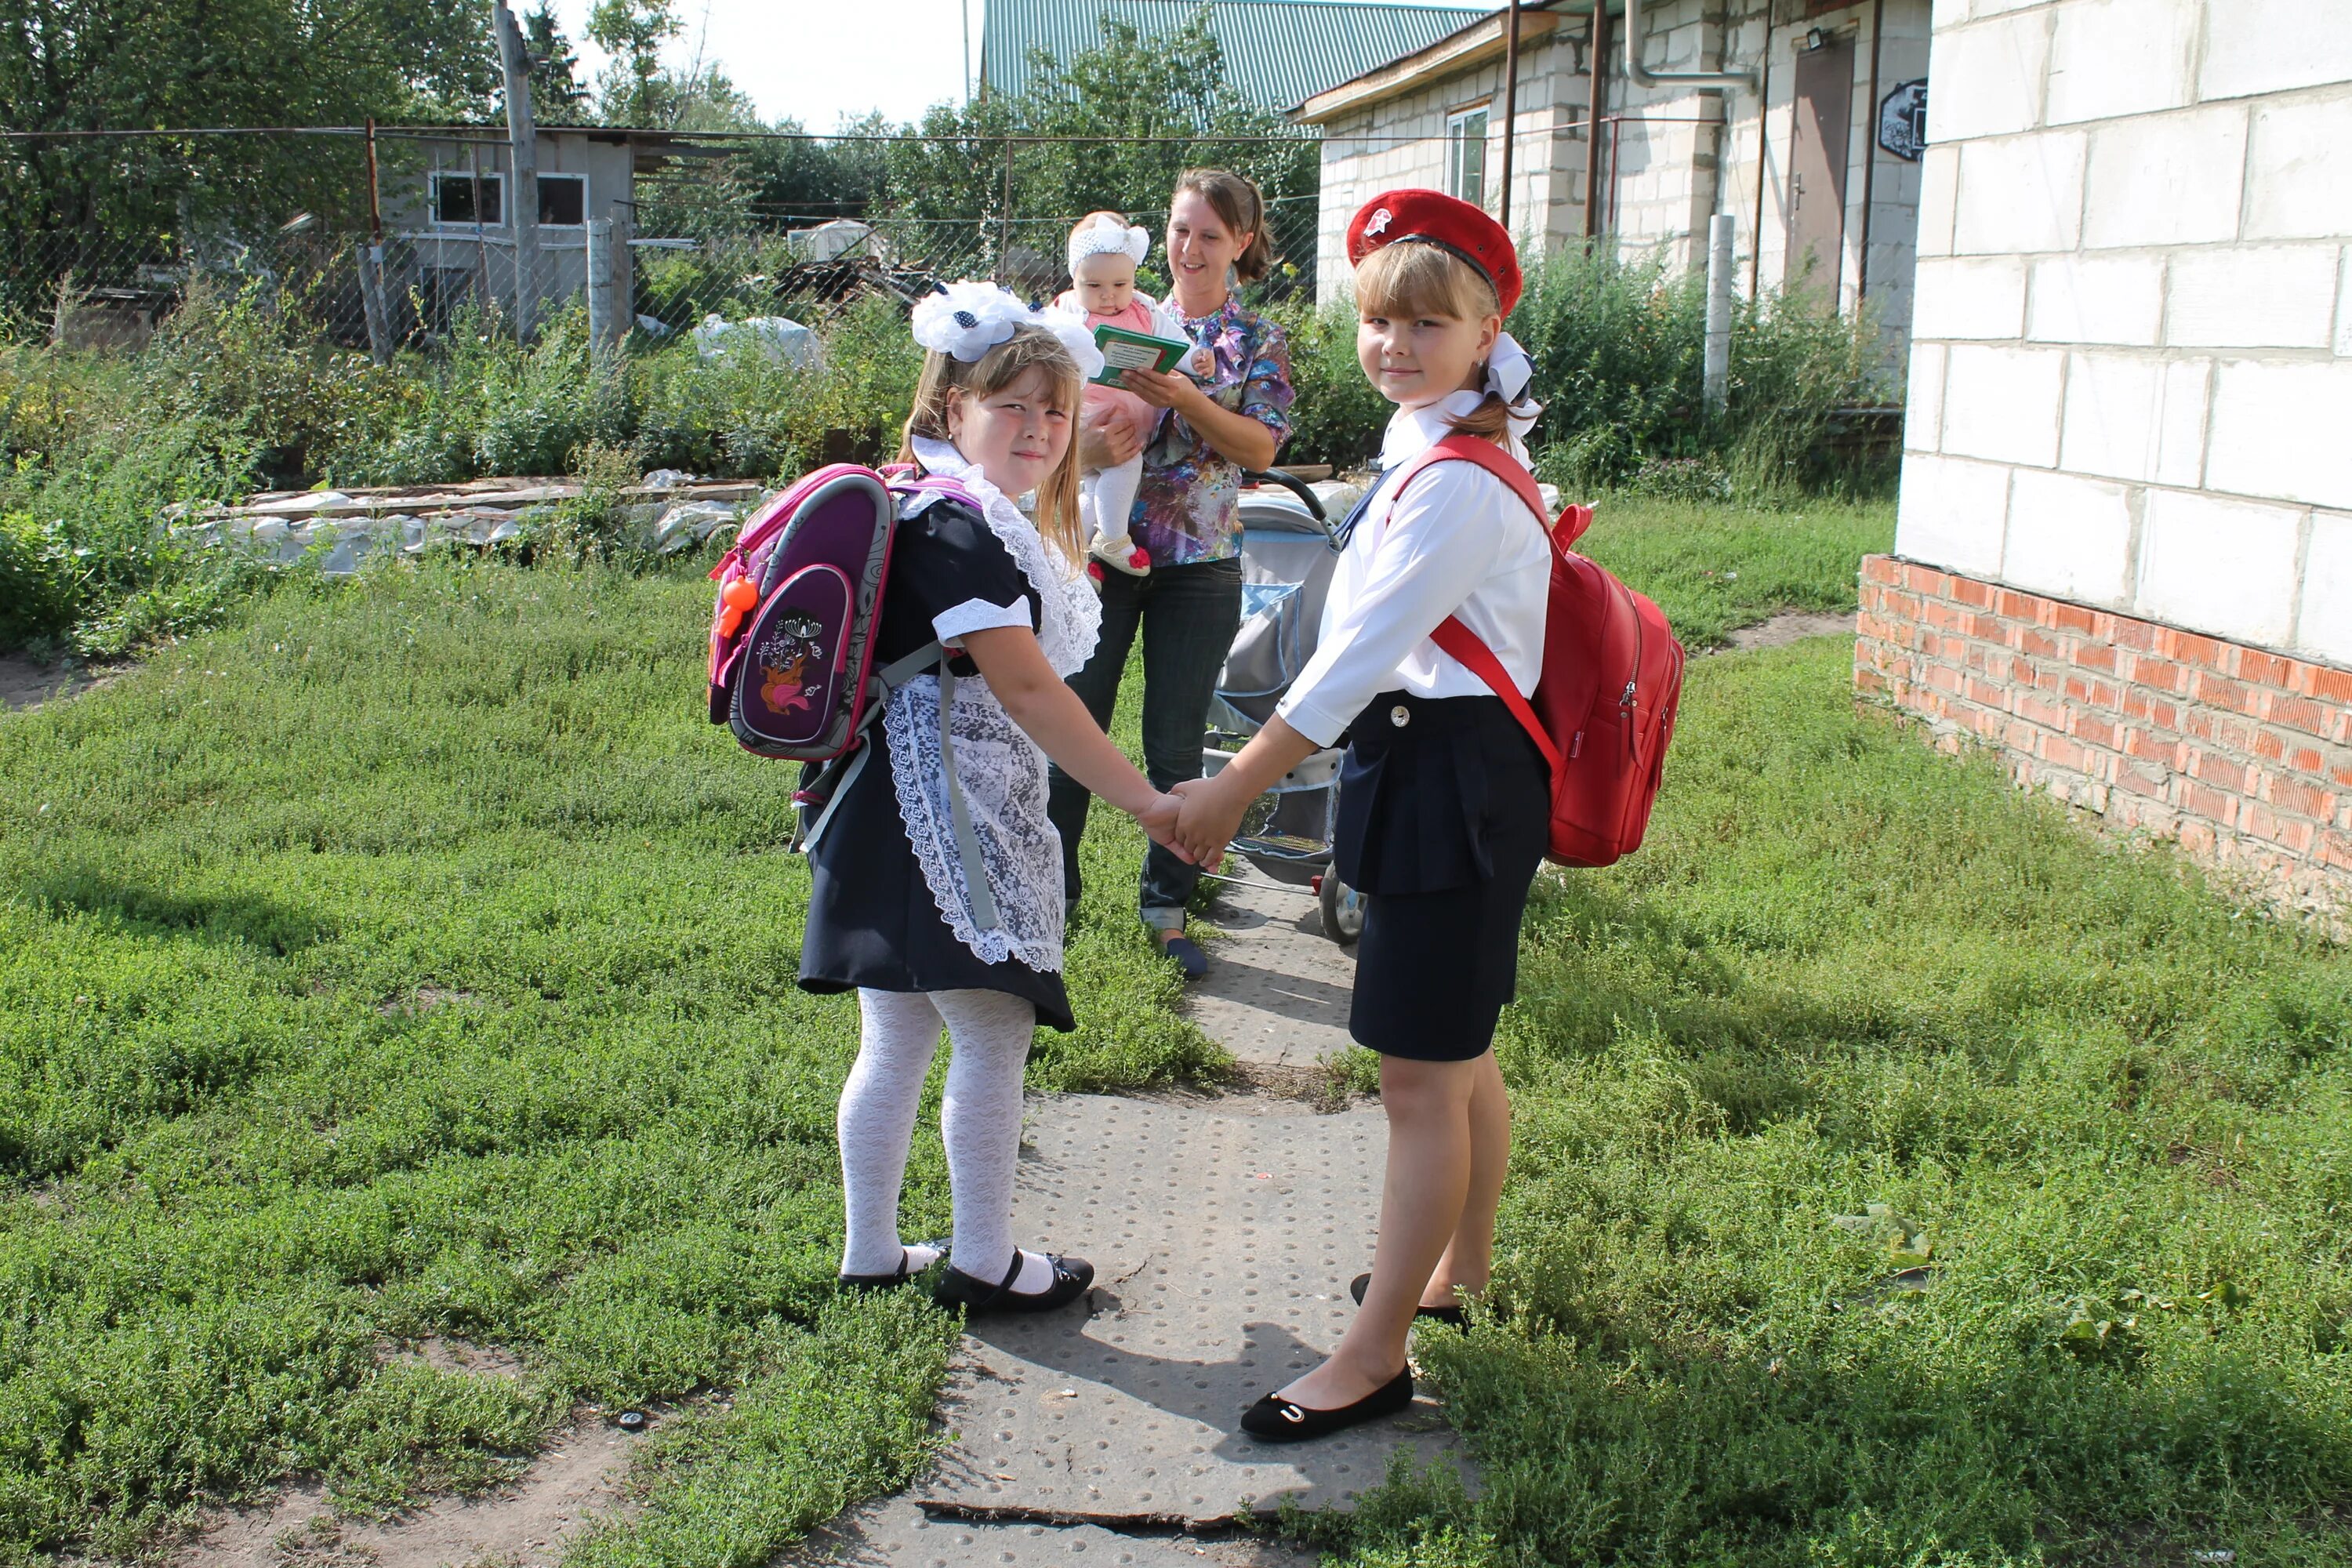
(1510,104)
(1763,148)
(1869,151)
(1647,77)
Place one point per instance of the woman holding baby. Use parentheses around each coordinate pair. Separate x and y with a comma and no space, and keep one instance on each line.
(1177,585)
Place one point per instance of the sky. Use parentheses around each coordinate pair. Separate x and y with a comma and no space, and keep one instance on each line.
(817,60)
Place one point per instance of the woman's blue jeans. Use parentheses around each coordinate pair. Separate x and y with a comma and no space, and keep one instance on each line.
(1188,617)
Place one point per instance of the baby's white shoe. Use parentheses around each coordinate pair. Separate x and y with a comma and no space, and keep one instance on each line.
(1121,553)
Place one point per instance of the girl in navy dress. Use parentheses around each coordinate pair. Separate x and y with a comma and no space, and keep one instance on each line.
(1443,800)
(890,914)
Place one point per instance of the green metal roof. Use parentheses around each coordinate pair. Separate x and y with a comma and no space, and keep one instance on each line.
(1278,53)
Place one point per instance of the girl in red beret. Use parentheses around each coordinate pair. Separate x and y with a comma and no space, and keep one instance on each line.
(1443,800)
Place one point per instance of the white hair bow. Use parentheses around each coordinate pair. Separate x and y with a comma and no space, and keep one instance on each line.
(1508,372)
(968,318)
(1106,237)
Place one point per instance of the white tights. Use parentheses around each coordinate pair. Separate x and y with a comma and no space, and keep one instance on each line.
(979,1122)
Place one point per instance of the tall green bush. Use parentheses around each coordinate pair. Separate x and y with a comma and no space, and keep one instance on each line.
(1619,348)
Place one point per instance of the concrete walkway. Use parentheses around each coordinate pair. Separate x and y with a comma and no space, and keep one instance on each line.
(1223,1231)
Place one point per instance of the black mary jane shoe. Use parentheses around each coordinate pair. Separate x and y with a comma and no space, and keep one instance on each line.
(978,1299)
(1276,1420)
(1452,1317)
(888,1281)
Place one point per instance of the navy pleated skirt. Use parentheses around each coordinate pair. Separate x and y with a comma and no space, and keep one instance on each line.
(1443,812)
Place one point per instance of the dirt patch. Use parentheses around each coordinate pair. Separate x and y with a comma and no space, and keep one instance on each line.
(25,684)
(453,1355)
(1791,626)
(525,1524)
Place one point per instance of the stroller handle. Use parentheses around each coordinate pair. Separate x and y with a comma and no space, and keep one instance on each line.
(1295,485)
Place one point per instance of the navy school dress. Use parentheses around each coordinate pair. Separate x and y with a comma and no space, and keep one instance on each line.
(1444,810)
(872,921)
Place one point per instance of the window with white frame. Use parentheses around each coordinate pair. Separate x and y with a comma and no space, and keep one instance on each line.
(563,200)
(1465,156)
(461,198)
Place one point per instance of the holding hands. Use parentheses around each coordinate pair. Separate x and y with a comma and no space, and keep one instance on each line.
(1159,821)
(1212,812)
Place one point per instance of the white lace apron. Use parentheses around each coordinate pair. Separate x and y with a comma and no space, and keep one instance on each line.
(1000,771)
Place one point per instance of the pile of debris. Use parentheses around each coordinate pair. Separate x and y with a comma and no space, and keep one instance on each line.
(678,511)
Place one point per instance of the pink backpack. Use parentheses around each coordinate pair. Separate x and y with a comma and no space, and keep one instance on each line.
(1604,711)
(791,637)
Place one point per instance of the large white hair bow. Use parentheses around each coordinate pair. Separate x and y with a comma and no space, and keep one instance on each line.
(968,318)
(1106,237)
(1070,327)
(1508,372)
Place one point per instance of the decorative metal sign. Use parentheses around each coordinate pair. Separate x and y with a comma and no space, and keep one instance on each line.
(1903,121)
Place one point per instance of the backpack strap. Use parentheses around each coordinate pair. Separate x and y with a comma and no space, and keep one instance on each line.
(892,677)
(1462,644)
(1458,642)
(1463,448)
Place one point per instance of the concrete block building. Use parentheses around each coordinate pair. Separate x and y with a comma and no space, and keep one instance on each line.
(2124,553)
(1815,155)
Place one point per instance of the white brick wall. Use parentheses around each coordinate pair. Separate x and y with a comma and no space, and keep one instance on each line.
(2165,179)
(2019,194)
(2003,403)
(2216,565)
(2325,624)
(1954,512)
(2096,299)
(2069,537)
(2141,342)
(2119,57)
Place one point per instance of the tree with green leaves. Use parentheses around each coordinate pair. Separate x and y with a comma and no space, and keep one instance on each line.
(100,207)
(1129,85)
(558,97)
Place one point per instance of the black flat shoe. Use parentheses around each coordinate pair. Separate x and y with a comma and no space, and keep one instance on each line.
(977,1298)
(888,1281)
(1452,1317)
(1186,955)
(1273,1420)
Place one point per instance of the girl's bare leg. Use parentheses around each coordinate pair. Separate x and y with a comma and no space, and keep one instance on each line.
(1422,1202)
(1469,1261)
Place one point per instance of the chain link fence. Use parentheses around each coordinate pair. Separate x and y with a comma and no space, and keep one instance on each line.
(398,240)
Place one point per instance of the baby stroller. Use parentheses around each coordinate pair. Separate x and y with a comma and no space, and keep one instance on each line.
(1288,550)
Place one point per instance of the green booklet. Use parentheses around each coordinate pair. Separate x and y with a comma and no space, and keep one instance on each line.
(1123,349)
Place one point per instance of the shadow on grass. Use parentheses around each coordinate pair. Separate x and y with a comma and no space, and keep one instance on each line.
(220,918)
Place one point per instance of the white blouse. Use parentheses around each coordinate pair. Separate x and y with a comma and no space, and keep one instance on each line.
(1461,543)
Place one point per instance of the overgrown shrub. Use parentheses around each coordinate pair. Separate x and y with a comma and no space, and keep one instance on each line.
(1618,349)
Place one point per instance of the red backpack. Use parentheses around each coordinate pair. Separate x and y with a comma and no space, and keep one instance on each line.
(1612,678)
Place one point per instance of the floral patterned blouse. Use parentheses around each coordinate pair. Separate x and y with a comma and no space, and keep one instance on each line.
(1186,509)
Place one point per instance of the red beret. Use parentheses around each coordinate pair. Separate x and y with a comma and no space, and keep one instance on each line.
(1432,217)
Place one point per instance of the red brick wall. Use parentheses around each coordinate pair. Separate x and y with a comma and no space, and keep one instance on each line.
(2242,755)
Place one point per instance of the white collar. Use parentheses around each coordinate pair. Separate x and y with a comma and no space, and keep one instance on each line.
(1413,431)
(1071,617)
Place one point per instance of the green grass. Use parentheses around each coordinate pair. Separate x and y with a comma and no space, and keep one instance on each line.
(414,959)
(2105,1107)
(1712,568)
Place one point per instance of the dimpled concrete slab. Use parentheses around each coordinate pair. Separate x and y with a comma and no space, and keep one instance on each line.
(899,1534)
(1277,988)
(1223,1243)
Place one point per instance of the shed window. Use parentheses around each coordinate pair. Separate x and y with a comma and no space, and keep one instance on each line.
(459,199)
(563,200)
(1465,156)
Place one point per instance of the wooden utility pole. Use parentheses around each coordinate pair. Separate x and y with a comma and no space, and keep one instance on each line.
(1510,104)
(379,325)
(522,158)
